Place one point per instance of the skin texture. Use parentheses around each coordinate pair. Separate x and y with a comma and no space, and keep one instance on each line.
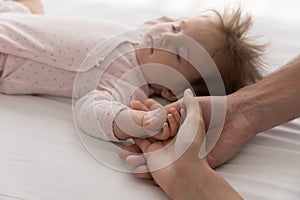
(200,29)
(188,177)
(253,109)
(258,107)
(144,122)
(250,110)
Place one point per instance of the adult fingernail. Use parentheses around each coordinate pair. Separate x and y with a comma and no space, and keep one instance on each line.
(189,92)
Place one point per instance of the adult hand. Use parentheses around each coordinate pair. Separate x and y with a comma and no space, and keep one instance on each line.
(188,176)
(257,108)
(236,132)
(253,109)
(168,177)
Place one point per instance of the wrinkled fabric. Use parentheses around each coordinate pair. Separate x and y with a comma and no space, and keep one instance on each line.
(44,54)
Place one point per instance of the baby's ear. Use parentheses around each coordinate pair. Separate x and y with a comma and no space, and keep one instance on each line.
(168,94)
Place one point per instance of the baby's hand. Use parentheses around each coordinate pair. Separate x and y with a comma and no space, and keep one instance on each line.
(168,129)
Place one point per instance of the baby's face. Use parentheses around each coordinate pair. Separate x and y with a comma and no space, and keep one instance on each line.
(168,35)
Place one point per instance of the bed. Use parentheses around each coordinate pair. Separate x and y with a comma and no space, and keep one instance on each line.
(42,156)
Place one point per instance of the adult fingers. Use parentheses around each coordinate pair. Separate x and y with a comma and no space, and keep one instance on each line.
(150,147)
(135,160)
(193,110)
(143,144)
(192,131)
(142,172)
(129,150)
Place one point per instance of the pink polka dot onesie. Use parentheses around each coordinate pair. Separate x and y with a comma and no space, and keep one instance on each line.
(42,54)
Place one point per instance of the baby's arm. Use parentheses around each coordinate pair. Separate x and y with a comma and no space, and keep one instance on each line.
(95,112)
(100,115)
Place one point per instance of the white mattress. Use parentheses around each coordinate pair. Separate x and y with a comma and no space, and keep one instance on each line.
(41,156)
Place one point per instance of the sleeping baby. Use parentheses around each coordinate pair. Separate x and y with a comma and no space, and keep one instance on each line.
(61,56)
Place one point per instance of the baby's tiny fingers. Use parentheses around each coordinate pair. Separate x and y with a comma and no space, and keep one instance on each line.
(176,115)
(165,134)
(173,125)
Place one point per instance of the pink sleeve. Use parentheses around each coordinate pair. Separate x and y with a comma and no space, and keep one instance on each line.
(95,114)
(13,6)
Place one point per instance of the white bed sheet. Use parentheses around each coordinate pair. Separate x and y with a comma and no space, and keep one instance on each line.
(41,156)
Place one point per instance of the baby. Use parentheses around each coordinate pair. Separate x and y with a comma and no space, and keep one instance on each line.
(42,54)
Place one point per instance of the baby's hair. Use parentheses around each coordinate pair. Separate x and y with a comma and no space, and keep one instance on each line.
(244,53)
